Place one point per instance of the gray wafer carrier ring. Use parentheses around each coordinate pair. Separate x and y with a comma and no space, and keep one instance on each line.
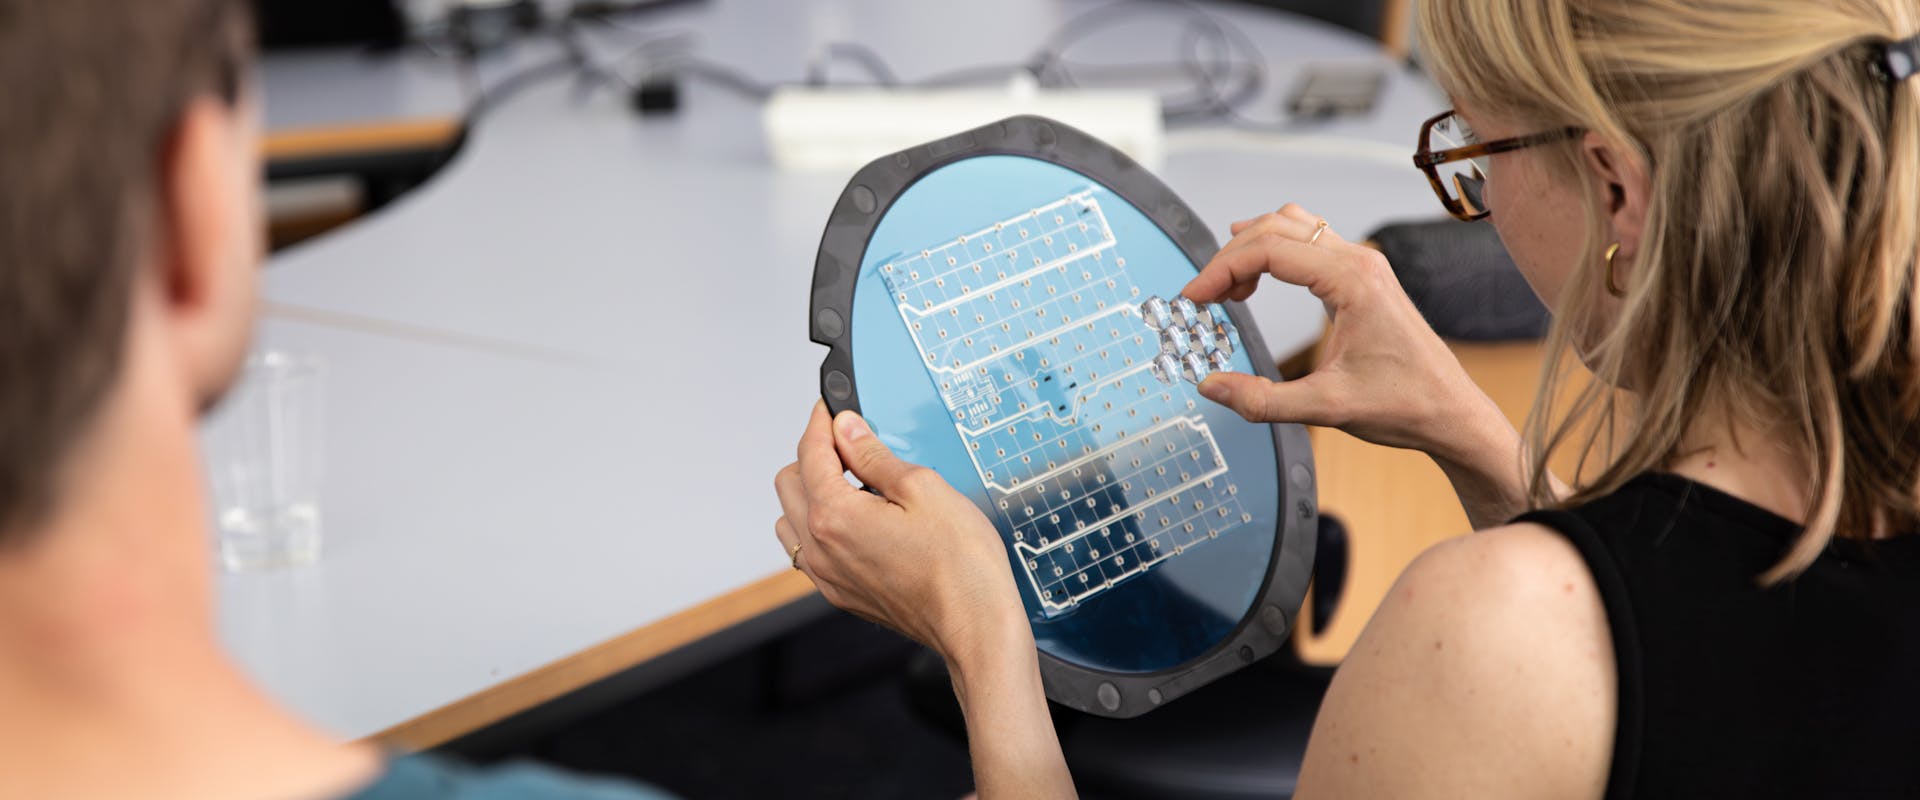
(1264,627)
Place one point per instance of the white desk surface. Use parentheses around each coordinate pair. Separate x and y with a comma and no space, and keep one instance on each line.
(566,369)
(346,86)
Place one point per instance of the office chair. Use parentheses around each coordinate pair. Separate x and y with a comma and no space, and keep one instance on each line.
(1460,277)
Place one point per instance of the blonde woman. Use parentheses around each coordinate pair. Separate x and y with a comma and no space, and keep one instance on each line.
(1721,202)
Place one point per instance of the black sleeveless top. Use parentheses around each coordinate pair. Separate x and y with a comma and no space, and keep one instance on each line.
(1807,689)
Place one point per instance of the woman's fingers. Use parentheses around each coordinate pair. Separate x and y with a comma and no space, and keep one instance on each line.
(931,568)
(805,558)
(1233,273)
(791,491)
(788,533)
(783,530)
(1236,271)
(1294,212)
(1278,243)
(791,528)
(1291,220)
(821,472)
(1267,226)
(869,459)
(1257,399)
(1273,244)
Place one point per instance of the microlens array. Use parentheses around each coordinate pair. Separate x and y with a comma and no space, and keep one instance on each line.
(1194,340)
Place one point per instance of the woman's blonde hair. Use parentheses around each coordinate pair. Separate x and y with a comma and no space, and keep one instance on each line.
(1774,288)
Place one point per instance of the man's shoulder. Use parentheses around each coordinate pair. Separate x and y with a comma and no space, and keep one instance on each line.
(427,777)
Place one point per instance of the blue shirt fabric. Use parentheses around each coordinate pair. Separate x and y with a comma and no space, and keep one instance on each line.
(426,777)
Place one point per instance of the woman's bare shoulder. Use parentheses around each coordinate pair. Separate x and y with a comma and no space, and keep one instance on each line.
(1487,671)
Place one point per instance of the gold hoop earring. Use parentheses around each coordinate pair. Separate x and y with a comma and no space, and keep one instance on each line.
(1613,288)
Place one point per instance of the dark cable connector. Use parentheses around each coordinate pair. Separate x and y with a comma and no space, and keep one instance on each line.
(657,93)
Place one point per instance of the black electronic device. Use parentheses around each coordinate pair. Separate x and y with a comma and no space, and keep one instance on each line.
(1336,90)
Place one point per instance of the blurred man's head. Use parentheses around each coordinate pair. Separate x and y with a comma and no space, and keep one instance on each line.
(129,197)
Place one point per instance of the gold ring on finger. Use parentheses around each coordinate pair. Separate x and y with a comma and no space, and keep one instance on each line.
(1319,227)
(794,555)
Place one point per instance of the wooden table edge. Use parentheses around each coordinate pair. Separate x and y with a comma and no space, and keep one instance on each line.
(595,663)
(359,138)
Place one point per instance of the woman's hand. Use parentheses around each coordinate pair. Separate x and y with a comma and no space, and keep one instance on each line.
(1384,375)
(918,557)
(921,559)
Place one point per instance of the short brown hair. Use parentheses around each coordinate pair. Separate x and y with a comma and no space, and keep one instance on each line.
(90,91)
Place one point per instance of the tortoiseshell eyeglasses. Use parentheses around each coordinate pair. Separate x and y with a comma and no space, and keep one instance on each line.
(1455,161)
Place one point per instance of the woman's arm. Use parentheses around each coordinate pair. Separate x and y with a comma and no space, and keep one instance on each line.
(1009,728)
(1487,672)
(1485,460)
(1385,376)
(921,559)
